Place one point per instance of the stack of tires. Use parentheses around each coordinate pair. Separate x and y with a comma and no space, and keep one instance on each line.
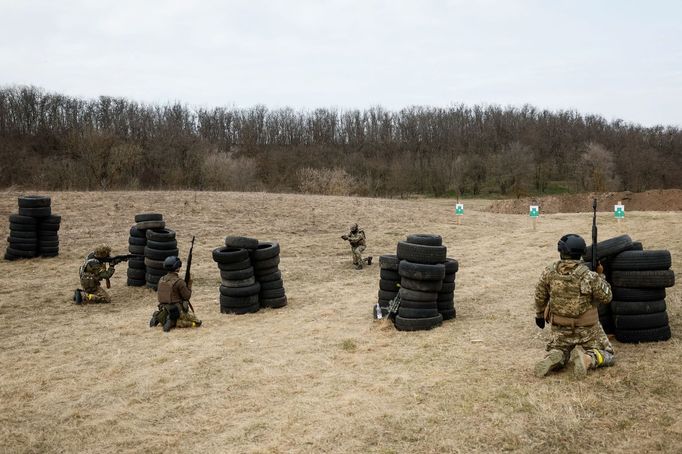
(389,280)
(33,232)
(426,279)
(250,275)
(161,243)
(137,270)
(638,280)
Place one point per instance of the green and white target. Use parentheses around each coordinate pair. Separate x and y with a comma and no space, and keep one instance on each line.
(459,209)
(534,211)
(619,211)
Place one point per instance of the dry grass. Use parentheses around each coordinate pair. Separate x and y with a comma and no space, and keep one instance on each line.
(318,376)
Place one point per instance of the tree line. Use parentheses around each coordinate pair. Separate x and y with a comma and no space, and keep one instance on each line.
(52,141)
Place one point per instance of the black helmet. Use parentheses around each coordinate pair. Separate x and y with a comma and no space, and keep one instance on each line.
(572,246)
(172,263)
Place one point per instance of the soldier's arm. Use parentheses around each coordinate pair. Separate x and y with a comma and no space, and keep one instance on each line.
(601,290)
(542,294)
(106,273)
(185,292)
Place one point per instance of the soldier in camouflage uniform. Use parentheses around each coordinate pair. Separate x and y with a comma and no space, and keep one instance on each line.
(173,294)
(566,297)
(91,273)
(356,238)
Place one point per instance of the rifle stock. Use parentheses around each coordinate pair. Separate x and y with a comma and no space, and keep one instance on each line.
(594,235)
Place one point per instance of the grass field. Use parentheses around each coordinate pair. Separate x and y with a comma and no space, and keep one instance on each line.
(318,375)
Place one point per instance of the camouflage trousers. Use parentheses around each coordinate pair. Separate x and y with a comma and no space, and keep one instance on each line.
(96,295)
(565,338)
(187,319)
(357,254)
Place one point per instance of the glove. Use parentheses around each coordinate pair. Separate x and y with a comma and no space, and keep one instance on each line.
(540,321)
(600,268)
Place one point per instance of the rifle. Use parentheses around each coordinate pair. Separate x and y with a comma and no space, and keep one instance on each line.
(594,235)
(393,307)
(188,277)
(115,260)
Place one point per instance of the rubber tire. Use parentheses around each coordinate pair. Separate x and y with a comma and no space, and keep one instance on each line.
(389,262)
(637,307)
(610,247)
(151,263)
(20,219)
(445,297)
(133,273)
(266,263)
(643,335)
(238,301)
(46,244)
(31,234)
(273,303)
(41,212)
(408,312)
(230,255)
(149,225)
(237,275)
(235,265)
(422,286)
(643,279)
(385,295)
(448,314)
(148,217)
(135,282)
(416,295)
(389,286)
(225,309)
(267,285)
(14,227)
(607,325)
(637,246)
(641,321)
(265,272)
(421,272)
(234,283)
(51,236)
(156,272)
(445,305)
(152,286)
(159,254)
(266,250)
(34,201)
(160,234)
(137,241)
(162,245)
(21,254)
(152,279)
(48,227)
(241,242)
(447,287)
(389,275)
(137,264)
(45,251)
(273,293)
(24,246)
(451,266)
(419,253)
(426,239)
(641,260)
(137,233)
(417,324)
(237,292)
(137,250)
(637,294)
(49,254)
(277,275)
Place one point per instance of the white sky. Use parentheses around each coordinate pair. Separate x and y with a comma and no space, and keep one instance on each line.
(616,58)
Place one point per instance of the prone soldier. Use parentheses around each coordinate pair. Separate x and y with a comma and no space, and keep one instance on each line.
(357,241)
(173,294)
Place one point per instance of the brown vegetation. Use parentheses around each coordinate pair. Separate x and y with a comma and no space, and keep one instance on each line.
(318,376)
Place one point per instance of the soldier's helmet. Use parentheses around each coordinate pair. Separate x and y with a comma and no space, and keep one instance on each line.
(102,250)
(571,246)
(354,228)
(172,263)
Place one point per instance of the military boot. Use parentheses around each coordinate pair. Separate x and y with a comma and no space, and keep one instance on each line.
(582,362)
(602,358)
(78,296)
(168,325)
(553,360)
(155,320)
(369,260)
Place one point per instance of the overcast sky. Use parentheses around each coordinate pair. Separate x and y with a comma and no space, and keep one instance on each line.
(620,59)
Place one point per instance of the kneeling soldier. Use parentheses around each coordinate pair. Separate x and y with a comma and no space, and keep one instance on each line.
(91,272)
(174,294)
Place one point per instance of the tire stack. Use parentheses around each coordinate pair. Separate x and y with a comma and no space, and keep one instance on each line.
(268,275)
(638,280)
(389,281)
(137,270)
(33,232)
(161,243)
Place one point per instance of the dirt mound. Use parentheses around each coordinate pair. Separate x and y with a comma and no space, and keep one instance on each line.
(655,200)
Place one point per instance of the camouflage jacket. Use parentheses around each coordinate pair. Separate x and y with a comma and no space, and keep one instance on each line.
(357,239)
(570,289)
(93,268)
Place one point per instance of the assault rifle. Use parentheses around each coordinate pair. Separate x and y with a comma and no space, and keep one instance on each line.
(594,235)
(188,276)
(115,260)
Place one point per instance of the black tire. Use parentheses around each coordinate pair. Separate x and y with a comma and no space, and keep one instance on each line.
(604,310)
(47,227)
(133,273)
(41,212)
(265,272)
(278,283)
(31,234)
(135,282)
(237,275)
(237,292)
(637,307)
(51,236)
(241,242)
(55,219)
(417,324)
(137,233)
(160,235)
(389,286)
(152,279)
(386,295)
(408,312)
(273,293)
(235,265)
(162,245)
(138,250)
(443,298)
(389,275)
(44,244)
(151,263)
(641,260)
(20,219)
(445,305)
(421,272)
(224,309)
(137,241)
(607,325)
(389,262)
(643,335)
(451,266)
(49,254)
(266,263)
(230,255)
(149,225)
(142,217)
(416,295)
(34,201)
(24,246)
(610,247)
(158,254)
(238,282)
(238,301)
(449,314)
(136,264)
(637,246)
(15,227)
(422,286)
(643,279)
(14,239)
(427,239)
(277,275)
(641,321)
(637,294)
(21,254)
(266,250)
(156,272)
(152,286)
(412,304)
(447,287)
(273,303)
(383,303)
(419,253)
